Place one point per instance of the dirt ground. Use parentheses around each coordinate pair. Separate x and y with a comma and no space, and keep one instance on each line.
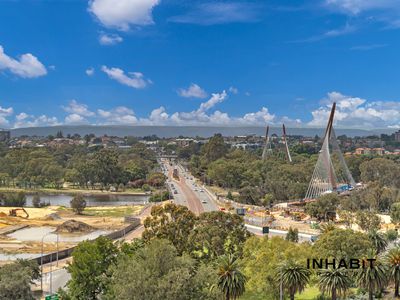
(103,218)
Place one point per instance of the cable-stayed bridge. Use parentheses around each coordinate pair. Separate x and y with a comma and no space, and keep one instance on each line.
(269,151)
(331,173)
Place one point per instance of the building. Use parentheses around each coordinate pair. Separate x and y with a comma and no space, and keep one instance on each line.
(370,151)
(184,142)
(4,135)
(397,136)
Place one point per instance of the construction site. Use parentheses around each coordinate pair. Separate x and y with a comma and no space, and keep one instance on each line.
(29,232)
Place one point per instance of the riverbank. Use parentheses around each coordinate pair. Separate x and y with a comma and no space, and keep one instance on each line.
(70,191)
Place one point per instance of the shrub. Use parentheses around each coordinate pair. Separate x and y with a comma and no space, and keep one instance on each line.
(78,204)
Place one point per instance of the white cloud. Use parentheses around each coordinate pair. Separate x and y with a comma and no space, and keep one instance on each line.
(90,71)
(76,108)
(122,14)
(358,6)
(346,29)
(354,112)
(132,79)
(118,115)
(25,120)
(159,115)
(109,39)
(4,113)
(233,90)
(368,47)
(193,91)
(75,119)
(212,13)
(26,66)
(261,117)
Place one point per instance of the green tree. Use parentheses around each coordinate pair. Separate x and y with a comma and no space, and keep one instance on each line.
(380,170)
(261,259)
(395,212)
(156,179)
(292,235)
(157,272)
(171,222)
(78,204)
(328,226)
(368,221)
(391,235)
(215,148)
(378,240)
(393,262)
(324,206)
(90,268)
(231,281)
(106,167)
(373,279)
(293,276)
(16,279)
(334,282)
(342,244)
(15,199)
(217,233)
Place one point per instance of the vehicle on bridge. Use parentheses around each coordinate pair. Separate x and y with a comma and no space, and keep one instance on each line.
(175,173)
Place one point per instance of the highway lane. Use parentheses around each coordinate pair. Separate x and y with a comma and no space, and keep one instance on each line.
(186,192)
(59,279)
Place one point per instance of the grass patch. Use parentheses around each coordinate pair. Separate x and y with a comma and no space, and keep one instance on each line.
(309,293)
(252,296)
(115,212)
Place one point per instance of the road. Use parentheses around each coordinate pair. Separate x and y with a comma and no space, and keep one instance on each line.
(186,191)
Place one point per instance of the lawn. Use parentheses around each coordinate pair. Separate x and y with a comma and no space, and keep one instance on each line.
(107,211)
(115,212)
(309,293)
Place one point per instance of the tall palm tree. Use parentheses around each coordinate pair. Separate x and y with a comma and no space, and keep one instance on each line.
(393,261)
(294,277)
(373,278)
(230,280)
(334,281)
(328,226)
(378,240)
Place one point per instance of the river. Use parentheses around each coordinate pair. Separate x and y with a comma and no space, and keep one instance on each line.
(91,200)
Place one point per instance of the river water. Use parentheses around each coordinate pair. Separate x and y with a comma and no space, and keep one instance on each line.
(91,200)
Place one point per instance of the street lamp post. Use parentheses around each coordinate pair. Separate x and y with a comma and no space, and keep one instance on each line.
(41,263)
(57,251)
(51,262)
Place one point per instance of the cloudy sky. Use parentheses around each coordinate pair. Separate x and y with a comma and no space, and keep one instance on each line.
(192,62)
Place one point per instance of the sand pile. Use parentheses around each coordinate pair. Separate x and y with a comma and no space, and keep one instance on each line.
(72,226)
(53,216)
(2,214)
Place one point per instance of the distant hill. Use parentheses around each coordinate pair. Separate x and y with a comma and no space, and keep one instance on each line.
(175,131)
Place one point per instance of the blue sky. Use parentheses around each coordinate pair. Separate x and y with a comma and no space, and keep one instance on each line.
(177,62)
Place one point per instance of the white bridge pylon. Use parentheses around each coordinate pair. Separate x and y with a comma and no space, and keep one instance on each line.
(326,178)
(268,151)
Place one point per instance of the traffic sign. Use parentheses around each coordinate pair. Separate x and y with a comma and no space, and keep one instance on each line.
(52,297)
